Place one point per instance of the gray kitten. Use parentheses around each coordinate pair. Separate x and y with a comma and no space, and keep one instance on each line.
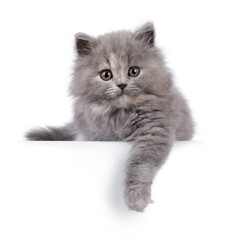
(124,92)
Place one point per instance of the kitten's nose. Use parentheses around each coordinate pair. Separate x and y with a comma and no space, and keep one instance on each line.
(122,86)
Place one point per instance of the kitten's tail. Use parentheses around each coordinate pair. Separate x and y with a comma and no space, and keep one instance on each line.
(64,133)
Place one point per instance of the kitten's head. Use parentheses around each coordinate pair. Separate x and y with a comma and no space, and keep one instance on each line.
(119,67)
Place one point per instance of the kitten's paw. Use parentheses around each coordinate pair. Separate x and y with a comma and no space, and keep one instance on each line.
(138,197)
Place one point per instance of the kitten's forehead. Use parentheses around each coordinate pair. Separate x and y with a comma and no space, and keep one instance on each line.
(113,62)
(116,62)
(116,46)
(120,50)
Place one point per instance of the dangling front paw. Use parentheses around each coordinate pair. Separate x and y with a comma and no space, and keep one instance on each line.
(138,197)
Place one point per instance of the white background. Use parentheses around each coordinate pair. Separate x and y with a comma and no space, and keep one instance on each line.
(72,190)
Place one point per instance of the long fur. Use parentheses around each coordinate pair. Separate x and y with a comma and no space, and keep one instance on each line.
(150,111)
(63,133)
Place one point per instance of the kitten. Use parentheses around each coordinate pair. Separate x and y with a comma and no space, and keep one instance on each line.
(124,92)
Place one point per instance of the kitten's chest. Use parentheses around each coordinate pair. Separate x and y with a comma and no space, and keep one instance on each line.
(110,124)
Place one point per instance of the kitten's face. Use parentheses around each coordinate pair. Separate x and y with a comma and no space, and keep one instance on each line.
(118,67)
(119,77)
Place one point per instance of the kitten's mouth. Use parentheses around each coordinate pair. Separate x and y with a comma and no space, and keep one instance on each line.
(122,93)
(125,93)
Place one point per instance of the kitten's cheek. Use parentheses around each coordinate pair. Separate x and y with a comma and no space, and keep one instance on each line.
(98,79)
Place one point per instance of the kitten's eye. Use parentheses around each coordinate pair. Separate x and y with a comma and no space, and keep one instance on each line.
(106,75)
(133,71)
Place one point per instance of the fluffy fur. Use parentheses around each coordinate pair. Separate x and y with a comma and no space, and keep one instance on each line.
(150,111)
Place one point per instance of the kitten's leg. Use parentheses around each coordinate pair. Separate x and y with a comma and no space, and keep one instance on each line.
(149,151)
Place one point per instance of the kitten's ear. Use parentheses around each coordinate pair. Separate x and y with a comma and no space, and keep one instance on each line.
(84,43)
(146,34)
